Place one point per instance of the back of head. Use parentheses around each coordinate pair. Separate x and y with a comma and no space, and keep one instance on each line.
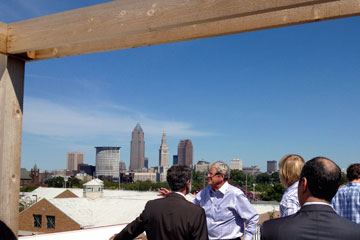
(221,168)
(323,177)
(353,172)
(290,168)
(5,232)
(177,176)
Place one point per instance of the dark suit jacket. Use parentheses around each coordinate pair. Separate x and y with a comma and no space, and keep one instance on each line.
(312,222)
(172,217)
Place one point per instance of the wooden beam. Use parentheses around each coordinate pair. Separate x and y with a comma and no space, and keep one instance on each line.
(281,18)
(3,37)
(125,18)
(11,111)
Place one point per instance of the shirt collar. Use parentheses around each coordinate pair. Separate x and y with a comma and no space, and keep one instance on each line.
(317,203)
(294,185)
(353,184)
(223,188)
(181,194)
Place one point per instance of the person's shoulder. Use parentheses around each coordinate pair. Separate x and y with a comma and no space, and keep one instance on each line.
(205,189)
(189,205)
(273,225)
(345,188)
(203,192)
(235,191)
(350,229)
(155,201)
(280,220)
(346,222)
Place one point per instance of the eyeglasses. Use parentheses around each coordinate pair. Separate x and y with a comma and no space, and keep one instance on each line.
(213,174)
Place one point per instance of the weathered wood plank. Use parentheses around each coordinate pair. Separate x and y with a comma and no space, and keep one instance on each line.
(132,17)
(3,37)
(11,103)
(306,14)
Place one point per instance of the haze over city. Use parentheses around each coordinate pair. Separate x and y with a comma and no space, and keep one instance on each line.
(255,96)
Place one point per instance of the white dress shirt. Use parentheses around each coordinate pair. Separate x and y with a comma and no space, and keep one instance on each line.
(227,209)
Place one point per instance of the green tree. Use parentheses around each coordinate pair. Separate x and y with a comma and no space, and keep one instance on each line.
(138,185)
(275,178)
(263,178)
(199,180)
(57,182)
(273,193)
(242,179)
(74,182)
(344,179)
(28,188)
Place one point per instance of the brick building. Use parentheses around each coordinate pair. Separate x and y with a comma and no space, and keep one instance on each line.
(57,210)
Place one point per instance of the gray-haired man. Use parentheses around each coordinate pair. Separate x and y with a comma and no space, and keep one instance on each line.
(227,208)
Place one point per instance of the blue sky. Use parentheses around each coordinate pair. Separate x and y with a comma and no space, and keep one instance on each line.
(255,96)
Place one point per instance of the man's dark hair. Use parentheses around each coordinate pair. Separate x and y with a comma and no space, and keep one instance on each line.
(5,232)
(353,172)
(323,177)
(177,176)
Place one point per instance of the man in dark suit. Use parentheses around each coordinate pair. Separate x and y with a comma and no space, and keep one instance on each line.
(172,217)
(319,181)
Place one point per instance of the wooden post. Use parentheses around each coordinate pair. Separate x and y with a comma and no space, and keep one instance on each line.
(11,112)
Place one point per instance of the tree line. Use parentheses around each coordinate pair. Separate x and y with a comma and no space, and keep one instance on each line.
(267,186)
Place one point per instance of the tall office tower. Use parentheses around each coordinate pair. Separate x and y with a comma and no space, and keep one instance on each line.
(146,162)
(185,152)
(107,161)
(163,152)
(175,159)
(271,166)
(73,159)
(236,164)
(137,152)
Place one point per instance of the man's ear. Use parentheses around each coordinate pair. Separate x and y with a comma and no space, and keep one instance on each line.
(303,185)
(188,183)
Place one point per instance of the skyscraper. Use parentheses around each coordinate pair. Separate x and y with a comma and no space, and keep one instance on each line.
(73,159)
(163,152)
(185,152)
(137,151)
(146,162)
(107,161)
(271,166)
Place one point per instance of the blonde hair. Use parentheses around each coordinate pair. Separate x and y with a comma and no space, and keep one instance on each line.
(290,168)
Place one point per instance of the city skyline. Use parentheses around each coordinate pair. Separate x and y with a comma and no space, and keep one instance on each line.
(255,96)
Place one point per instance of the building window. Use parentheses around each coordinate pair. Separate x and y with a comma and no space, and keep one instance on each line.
(50,221)
(37,221)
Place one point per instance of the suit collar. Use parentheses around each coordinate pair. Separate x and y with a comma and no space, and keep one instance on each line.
(317,207)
